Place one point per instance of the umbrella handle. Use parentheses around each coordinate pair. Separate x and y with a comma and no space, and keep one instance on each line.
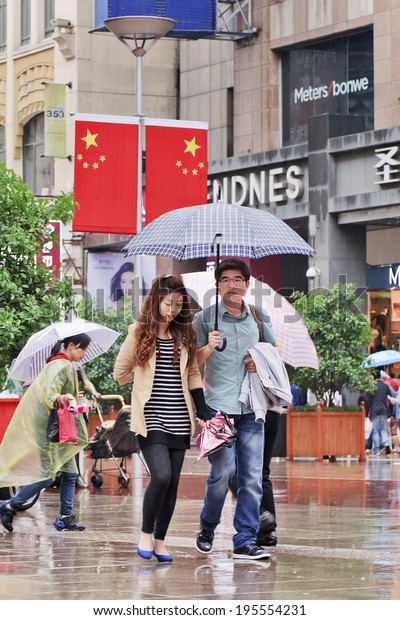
(222,347)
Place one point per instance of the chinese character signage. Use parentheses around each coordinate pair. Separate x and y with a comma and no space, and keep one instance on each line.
(388,166)
(51,253)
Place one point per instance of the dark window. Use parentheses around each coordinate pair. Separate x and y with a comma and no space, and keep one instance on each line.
(38,171)
(25,22)
(3,25)
(48,15)
(333,76)
(2,144)
(229,122)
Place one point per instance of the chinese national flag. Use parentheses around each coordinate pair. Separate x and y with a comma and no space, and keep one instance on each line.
(176,165)
(105,169)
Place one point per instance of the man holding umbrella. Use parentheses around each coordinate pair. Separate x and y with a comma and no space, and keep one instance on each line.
(224,373)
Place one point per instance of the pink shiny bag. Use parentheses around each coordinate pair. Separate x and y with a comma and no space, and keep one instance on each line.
(220,433)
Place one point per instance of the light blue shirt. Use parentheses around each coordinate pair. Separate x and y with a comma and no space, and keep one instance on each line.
(225,370)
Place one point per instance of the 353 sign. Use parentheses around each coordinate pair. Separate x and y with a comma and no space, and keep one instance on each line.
(55,113)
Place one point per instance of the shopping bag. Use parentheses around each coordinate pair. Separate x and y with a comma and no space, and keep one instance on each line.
(368,428)
(66,425)
(61,427)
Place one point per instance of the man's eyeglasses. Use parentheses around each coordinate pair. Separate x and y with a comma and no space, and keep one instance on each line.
(226,280)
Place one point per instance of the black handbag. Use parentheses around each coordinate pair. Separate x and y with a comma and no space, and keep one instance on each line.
(52,427)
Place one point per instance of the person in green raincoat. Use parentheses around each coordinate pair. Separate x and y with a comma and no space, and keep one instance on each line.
(26,457)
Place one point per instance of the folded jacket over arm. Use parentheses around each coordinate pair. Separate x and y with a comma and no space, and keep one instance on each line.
(268,389)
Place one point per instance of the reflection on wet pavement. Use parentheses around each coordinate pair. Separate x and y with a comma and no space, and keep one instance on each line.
(338,528)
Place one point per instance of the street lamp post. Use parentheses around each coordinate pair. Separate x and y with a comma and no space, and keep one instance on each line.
(139,34)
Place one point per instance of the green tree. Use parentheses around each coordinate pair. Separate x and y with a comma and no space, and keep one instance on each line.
(100,370)
(30,296)
(341,333)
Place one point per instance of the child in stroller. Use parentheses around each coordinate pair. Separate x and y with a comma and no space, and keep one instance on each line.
(112,440)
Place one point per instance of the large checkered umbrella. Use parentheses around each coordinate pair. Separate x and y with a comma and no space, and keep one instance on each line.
(195,232)
(217,229)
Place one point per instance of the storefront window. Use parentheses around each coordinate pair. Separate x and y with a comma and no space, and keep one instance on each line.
(333,76)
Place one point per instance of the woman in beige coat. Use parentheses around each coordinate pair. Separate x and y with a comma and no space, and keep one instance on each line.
(160,356)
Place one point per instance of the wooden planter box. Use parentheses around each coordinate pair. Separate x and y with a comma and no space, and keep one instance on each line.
(322,433)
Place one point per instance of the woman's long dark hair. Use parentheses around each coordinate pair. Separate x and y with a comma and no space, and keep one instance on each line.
(116,289)
(181,327)
(80,340)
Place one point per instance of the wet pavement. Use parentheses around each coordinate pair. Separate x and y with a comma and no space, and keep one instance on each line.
(338,528)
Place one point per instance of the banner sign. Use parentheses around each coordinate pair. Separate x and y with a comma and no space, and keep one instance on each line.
(383,278)
(54,121)
(105,173)
(176,165)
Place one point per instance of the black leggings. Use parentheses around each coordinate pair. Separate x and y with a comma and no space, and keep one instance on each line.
(159,500)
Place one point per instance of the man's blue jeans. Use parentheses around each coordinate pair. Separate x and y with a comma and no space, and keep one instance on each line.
(247,456)
(67,492)
(379,433)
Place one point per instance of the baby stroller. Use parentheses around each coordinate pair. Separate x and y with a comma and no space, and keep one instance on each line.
(112,440)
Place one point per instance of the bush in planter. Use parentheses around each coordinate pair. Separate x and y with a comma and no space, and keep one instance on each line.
(341,333)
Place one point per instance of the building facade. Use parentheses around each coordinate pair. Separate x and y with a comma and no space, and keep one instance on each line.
(99,78)
(304,121)
(315,138)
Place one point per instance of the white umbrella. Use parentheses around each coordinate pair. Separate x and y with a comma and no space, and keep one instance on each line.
(294,342)
(32,359)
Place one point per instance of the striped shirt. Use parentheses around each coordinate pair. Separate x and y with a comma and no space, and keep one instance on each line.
(166,412)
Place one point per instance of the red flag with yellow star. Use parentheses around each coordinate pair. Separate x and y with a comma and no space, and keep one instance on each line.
(105,173)
(176,165)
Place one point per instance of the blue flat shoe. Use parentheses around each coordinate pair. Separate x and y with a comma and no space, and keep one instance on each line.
(163,558)
(146,555)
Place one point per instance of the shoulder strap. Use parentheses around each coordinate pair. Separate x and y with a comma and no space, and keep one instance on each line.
(258,321)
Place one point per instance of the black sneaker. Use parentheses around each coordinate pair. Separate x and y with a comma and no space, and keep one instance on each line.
(251,552)
(388,450)
(267,540)
(68,523)
(7,515)
(204,541)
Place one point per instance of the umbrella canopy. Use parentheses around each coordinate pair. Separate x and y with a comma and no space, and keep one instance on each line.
(381,358)
(295,345)
(218,434)
(195,232)
(32,359)
(217,228)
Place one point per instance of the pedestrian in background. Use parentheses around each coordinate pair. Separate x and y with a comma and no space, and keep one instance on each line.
(378,410)
(26,456)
